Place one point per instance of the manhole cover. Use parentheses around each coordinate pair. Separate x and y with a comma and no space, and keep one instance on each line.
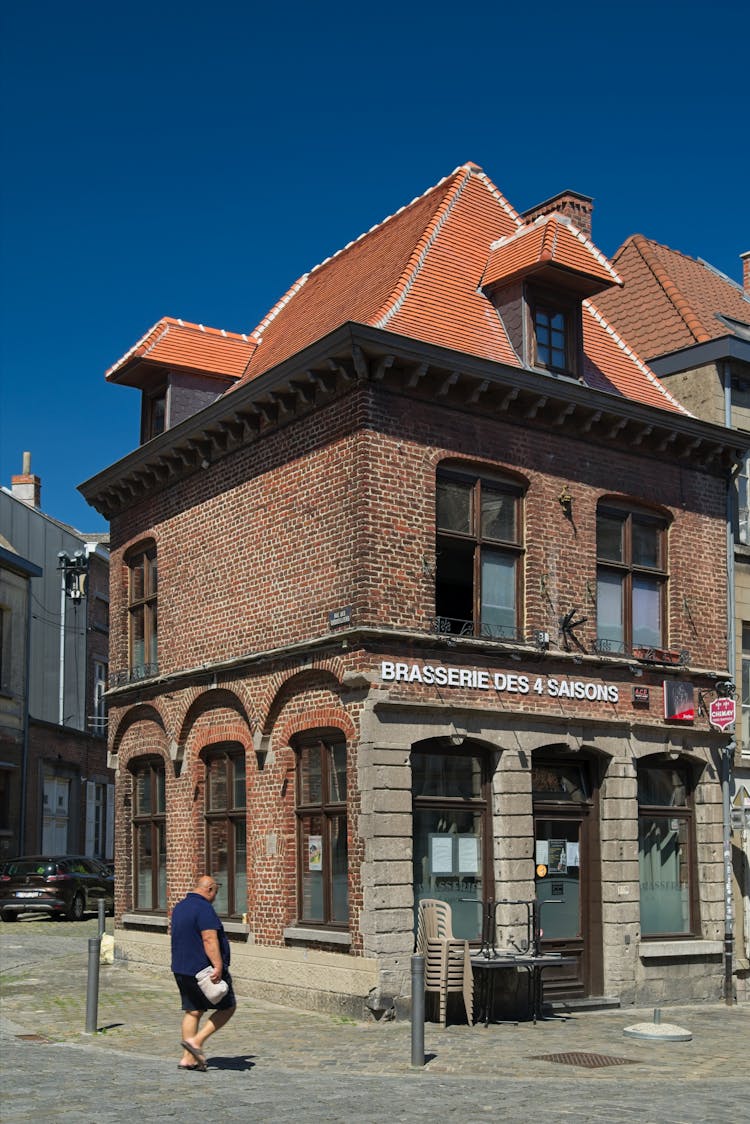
(580,1057)
(33,1038)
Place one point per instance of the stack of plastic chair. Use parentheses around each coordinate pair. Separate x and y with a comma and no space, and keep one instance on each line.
(447,960)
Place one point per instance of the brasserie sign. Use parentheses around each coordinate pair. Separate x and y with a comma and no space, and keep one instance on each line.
(502,682)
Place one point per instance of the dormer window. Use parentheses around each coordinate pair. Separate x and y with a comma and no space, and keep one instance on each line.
(551,338)
(154,418)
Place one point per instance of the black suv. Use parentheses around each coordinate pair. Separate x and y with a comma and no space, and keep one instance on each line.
(60,885)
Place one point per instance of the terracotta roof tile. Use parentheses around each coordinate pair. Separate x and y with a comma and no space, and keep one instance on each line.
(177,343)
(418,273)
(669,300)
(549,240)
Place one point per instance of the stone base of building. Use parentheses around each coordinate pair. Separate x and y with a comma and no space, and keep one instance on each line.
(294,977)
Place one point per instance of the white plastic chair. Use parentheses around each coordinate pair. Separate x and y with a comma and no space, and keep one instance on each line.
(447,960)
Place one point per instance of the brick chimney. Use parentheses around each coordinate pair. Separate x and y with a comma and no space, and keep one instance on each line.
(578,208)
(746,272)
(27,488)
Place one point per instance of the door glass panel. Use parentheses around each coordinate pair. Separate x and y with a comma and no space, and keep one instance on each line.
(557,853)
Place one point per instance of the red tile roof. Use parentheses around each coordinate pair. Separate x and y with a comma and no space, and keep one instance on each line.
(550,240)
(418,273)
(669,300)
(177,343)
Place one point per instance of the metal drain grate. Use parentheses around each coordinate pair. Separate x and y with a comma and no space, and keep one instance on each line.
(33,1038)
(586,1060)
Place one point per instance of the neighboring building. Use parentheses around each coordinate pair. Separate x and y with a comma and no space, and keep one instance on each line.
(68,787)
(430,620)
(16,574)
(692,325)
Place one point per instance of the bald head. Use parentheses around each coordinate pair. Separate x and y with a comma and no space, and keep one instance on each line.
(207,887)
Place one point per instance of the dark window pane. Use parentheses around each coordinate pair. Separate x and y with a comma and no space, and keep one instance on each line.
(560,783)
(217,785)
(498,515)
(143,793)
(659,786)
(647,630)
(446,775)
(311,773)
(311,875)
(339,871)
(240,792)
(664,875)
(454,506)
(448,848)
(337,792)
(646,542)
(609,538)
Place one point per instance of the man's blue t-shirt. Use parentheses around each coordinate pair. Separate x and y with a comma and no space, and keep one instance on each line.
(189,918)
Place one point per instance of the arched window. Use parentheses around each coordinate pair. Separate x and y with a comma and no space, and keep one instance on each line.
(479,551)
(322,849)
(142,612)
(631,551)
(226,828)
(150,835)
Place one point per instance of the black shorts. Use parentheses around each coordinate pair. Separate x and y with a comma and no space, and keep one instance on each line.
(193,998)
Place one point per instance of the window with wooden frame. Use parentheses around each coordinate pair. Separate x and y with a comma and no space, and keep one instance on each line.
(666,847)
(153,414)
(322,847)
(631,549)
(479,554)
(555,331)
(149,836)
(226,827)
(142,611)
(452,832)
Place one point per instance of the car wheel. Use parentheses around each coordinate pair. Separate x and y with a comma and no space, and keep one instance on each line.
(9,916)
(75,913)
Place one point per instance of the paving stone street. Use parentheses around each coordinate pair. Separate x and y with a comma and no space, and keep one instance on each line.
(273,1063)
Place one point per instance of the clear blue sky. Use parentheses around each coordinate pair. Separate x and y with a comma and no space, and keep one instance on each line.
(193,159)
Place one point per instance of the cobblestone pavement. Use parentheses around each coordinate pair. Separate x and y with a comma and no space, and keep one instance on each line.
(274,1063)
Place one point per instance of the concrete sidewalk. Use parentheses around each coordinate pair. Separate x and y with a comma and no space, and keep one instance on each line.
(44,977)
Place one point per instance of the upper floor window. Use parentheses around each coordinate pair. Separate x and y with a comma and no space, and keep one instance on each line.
(150,836)
(631,548)
(479,551)
(665,850)
(322,849)
(551,338)
(142,615)
(153,415)
(743,501)
(99,717)
(226,830)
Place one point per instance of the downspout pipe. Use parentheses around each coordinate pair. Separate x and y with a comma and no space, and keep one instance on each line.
(729,749)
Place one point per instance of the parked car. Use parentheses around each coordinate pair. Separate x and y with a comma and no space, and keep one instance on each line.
(60,885)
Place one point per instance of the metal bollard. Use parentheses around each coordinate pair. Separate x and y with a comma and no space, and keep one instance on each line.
(92,985)
(102,923)
(417,1010)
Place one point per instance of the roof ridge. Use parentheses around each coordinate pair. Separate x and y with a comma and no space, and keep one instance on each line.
(643,367)
(418,255)
(674,294)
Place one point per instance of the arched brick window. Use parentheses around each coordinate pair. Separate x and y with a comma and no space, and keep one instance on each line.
(322,849)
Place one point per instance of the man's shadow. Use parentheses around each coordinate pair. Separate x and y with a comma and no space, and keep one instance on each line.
(239,1063)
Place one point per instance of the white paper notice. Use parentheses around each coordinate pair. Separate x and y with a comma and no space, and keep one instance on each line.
(573,859)
(542,852)
(468,854)
(441,856)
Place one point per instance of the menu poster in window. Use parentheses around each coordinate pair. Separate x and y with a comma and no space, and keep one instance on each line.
(558,856)
(468,854)
(441,854)
(315,852)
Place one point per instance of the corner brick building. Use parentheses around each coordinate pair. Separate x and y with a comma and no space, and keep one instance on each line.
(441,578)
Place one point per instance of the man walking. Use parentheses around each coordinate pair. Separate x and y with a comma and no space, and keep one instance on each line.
(199,941)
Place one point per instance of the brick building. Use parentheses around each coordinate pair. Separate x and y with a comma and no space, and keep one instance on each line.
(441,573)
(692,325)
